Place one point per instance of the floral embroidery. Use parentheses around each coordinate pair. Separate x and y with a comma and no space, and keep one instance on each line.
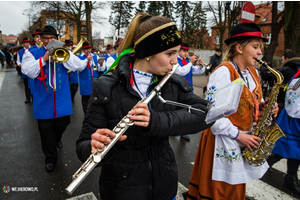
(291,97)
(170,37)
(231,155)
(210,93)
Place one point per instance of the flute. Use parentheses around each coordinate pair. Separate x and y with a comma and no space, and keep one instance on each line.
(119,129)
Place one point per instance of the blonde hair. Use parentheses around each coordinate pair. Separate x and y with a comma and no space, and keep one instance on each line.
(139,26)
(231,48)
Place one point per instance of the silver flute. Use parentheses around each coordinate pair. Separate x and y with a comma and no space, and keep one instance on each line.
(119,129)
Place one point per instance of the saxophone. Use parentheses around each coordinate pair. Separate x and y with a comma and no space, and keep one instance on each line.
(263,129)
(119,129)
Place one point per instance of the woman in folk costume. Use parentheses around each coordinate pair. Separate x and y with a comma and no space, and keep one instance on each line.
(289,122)
(219,171)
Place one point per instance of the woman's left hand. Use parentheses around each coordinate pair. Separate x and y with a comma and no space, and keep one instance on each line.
(140,114)
(275,110)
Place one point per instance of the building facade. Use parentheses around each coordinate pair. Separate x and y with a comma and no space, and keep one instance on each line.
(11,39)
(66,28)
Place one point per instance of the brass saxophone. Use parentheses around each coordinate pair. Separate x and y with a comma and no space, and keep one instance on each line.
(119,129)
(263,129)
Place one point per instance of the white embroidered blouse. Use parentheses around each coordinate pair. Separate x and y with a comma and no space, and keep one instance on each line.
(229,165)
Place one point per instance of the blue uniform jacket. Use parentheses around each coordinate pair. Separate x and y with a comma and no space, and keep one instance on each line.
(86,76)
(49,103)
(21,53)
(189,76)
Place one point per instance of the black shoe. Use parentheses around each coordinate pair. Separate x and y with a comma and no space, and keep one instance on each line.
(291,182)
(49,167)
(27,101)
(186,137)
(185,194)
(59,145)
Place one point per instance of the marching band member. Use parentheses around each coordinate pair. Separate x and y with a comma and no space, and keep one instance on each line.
(32,43)
(143,166)
(220,172)
(20,54)
(110,56)
(117,46)
(101,65)
(187,69)
(86,76)
(73,76)
(37,39)
(288,120)
(52,107)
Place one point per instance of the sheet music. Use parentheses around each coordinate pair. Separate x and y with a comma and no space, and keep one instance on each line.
(225,101)
(53,44)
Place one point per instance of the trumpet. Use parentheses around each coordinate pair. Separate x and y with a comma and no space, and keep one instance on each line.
(198,63)
(206,65)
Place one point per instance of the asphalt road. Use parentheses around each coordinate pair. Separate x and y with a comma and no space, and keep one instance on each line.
(22,161)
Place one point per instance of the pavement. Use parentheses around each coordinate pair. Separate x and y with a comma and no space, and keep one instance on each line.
(22,173)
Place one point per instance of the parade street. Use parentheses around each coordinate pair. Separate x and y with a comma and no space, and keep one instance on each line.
(22,166)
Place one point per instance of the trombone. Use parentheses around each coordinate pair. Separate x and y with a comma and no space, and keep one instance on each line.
(59,55)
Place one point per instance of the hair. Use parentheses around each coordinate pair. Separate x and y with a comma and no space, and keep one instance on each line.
(289,54)
(231,48)
(139,26)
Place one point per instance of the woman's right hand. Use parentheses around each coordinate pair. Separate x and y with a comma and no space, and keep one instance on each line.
(250,141)
(102,136)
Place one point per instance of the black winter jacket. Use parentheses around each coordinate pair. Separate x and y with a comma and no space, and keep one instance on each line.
(288,70)
(143,166)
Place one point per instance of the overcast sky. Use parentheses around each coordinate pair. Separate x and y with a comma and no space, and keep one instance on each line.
(12,21)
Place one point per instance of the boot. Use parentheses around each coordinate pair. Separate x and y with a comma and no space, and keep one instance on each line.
(291,182)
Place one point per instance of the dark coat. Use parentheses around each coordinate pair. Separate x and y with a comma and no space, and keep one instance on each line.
(288,70)
(143,166)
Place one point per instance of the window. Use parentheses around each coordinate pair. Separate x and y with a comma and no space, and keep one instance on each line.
(217,40)
(269,39)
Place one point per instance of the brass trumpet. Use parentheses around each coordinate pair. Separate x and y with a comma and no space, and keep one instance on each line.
(200,64)
(206,65)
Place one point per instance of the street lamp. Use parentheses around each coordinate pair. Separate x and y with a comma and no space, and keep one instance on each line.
(28,16)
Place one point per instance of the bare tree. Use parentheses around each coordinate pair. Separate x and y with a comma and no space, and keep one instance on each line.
(219,18)
(96,39)
(71,10)
(292,26)
(276,25)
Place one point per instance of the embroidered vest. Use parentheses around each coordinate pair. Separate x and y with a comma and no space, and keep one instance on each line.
(47,103)
(247,111)
(189,76)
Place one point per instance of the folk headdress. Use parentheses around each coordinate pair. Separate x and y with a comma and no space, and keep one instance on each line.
(85,45)
(155,41)
(244,31)
(37,32)
(68,43)
(26,40)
